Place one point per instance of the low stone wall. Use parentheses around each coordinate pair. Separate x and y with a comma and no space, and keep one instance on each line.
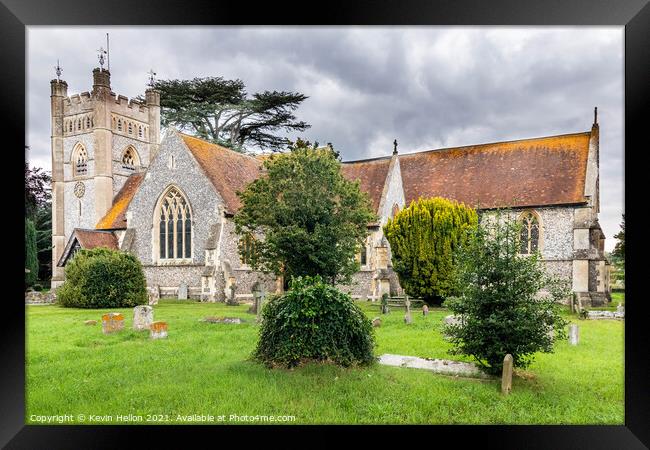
(36,297)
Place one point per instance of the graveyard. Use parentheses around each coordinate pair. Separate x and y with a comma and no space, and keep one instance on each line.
(202,365)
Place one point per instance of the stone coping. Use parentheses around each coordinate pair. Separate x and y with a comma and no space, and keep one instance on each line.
(441,366)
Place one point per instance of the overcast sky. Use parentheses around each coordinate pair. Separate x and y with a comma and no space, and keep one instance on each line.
(427,87)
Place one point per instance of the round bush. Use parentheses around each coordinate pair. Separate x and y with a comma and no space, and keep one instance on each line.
(314,321)
(103,278)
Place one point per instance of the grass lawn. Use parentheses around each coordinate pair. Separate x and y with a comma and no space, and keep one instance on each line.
(203,368)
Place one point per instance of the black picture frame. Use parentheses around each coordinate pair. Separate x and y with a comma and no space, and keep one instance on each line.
(16,15)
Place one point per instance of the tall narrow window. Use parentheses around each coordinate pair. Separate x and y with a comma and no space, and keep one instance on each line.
(130,159)
(130,128)
(364,255)
(87,121)
(79,160)
(529,237)
(175,232)
(119,124)
(140,132)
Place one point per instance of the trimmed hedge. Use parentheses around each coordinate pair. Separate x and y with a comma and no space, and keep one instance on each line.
(314,321)
(103,278)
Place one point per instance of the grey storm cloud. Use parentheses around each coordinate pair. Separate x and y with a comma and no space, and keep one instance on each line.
(427,87)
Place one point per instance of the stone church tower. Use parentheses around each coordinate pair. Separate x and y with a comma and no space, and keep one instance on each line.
(98,140)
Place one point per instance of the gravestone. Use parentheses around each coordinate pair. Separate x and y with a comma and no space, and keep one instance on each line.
(384,304)
(574,334)
(232,300)
(258,295)
(407,316)
(425,310)
(142,317)
(112,322)
(506,376)
(154,294)
(376,322)
(90,322)
(182,291)
(158,330)
(620,309)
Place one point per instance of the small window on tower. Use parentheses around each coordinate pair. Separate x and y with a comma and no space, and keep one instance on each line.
(130,128)
(88,122)
(130,159)
(80,160)
(140,132)
(119,124)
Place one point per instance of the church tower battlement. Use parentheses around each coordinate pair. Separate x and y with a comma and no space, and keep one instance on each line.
(98,140)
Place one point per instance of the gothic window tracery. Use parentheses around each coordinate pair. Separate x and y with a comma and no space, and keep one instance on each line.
(79,160)
(529,234)
(130,159)
(175,226)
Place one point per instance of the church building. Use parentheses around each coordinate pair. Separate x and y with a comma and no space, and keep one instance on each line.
(171,202)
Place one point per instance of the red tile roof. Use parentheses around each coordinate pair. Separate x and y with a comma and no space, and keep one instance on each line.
(529,172)
(229,171)
(96,238)
(115,218)
(371,174)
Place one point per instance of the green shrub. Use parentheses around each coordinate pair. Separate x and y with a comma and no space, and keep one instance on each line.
(314,321)
(501,304)
(103,278)
(31,254)
(423,240)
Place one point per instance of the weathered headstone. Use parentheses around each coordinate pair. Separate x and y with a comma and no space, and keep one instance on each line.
(182,291)
(506,376)
(154,294)
(376,322)
(574,334)
(222,320)
(407,316)
(384,304)
(112,322)
(425,310)
(90,322)
(158,330)
(232,300)
(620,308)
(142,317)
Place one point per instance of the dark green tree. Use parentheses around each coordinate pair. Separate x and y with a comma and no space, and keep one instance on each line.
(31,256)
(221,111)
(619,249)
(423,239)
(507,303)
(43,224)
(305,217)
(37,189)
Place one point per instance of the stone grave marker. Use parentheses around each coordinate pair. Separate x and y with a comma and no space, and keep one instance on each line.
(376,322)
(232,300)
(407,316)
(154,294)
(90,322)
(506,376)
(112,322)
(142,317)
(425,310)
(158,330)
(182,291)
(620,309)
(574,334)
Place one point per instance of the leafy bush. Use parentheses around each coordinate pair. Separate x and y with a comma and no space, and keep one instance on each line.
(423,239)
(314,321)
(31,254)
(103,278)
(501,305)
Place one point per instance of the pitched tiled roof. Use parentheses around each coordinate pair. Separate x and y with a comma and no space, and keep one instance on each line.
(229,171)
(529,172)
(115,218)
(371,174)
(96,238)
(87,239)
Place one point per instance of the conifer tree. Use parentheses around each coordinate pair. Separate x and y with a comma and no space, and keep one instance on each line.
(423,239)
(31,253)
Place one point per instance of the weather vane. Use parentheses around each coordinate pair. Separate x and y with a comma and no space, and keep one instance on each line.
(58,70)
(152,74)
(395,147)
(102,52)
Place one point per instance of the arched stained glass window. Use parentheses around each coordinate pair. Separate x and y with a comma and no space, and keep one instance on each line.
(529,237)
(175,227)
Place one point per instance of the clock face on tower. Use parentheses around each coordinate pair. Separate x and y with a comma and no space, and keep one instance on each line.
(79,189)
